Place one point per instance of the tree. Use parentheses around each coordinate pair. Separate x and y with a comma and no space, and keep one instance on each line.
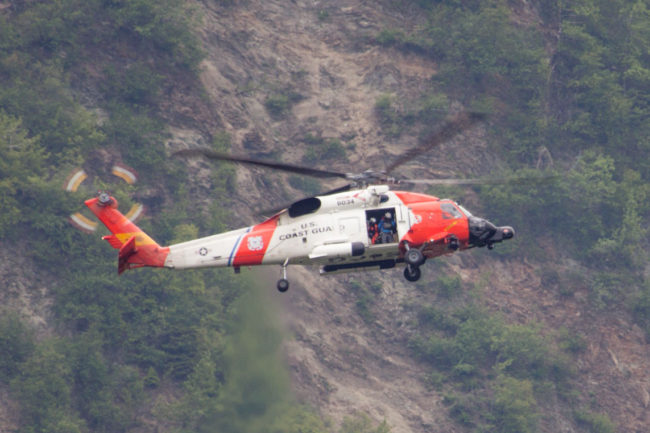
(22,160)
(514,406)
(16,344)
(44,391)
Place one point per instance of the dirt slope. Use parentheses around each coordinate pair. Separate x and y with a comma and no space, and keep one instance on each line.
(339,362)
(267,48)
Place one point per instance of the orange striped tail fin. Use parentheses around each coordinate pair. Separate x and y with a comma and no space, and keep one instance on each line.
(136,248)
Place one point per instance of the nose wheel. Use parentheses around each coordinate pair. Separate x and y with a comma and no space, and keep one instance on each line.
(283,285)
(412,273)
(413,258)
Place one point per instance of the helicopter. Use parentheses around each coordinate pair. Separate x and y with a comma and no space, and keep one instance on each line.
(360,226)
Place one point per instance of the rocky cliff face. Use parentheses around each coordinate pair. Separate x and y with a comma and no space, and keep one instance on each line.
(325,55)
(318,61)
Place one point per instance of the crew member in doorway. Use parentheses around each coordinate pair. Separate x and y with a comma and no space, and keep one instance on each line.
(373,230)
(387,227)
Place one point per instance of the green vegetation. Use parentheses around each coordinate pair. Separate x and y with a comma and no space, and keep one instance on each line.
(595,422)
(568,93)
(123,340)
(363,424)
(323,15)
(394,118)
(366,296)
(279,104)
(307,185)
(514,406)
(589,93)
(562,98)
(477,354)
(448,286)
(388,115)
(640,304)
(22,162)
(16,344)
(321,149)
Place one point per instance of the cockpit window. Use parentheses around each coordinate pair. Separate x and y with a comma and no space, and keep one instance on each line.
(449,211)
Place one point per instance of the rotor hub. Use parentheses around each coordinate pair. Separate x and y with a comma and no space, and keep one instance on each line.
(104,199)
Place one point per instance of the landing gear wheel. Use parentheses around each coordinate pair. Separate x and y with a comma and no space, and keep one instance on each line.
(414,257)
(283,285)
(412,273)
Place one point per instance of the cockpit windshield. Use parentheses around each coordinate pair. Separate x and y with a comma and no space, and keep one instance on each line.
(449,211)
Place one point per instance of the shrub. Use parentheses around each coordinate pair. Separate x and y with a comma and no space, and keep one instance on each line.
(595,422)
(439,352)
(322,149)
(136,84)
(641,308)
(514,409)
(364,302)
(390,37)
(436,318)
(16,344)
(279,104)
(44,390)
(571,342)
(387,113)
(361,423)
(522,350)
(449,286)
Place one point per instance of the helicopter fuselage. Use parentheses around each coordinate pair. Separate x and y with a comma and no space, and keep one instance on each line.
(371,228)
(333,231)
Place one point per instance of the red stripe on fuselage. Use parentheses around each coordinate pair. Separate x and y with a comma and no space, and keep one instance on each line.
(254,244)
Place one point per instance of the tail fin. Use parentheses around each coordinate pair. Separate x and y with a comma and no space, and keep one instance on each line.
(136,248)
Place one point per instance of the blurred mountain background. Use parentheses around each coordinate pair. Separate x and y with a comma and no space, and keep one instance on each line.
(547,333)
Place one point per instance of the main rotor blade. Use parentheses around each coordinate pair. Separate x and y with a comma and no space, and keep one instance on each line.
(444,181)
(481,181)
(454,126)
(211,154)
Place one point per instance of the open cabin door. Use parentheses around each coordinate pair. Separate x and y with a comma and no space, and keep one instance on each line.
(383,225)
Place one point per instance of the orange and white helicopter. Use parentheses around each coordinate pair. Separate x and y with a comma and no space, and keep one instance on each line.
(360,226)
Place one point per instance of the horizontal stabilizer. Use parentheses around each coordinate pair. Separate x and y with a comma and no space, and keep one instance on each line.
(113,240)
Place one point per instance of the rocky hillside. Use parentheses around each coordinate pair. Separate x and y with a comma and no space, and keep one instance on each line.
(321,83)
(327,52)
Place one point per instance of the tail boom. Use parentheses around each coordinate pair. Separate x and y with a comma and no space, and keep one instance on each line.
(136,248)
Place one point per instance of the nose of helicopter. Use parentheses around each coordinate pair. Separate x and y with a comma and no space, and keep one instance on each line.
(502,234)
(482,232)
(508,232)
